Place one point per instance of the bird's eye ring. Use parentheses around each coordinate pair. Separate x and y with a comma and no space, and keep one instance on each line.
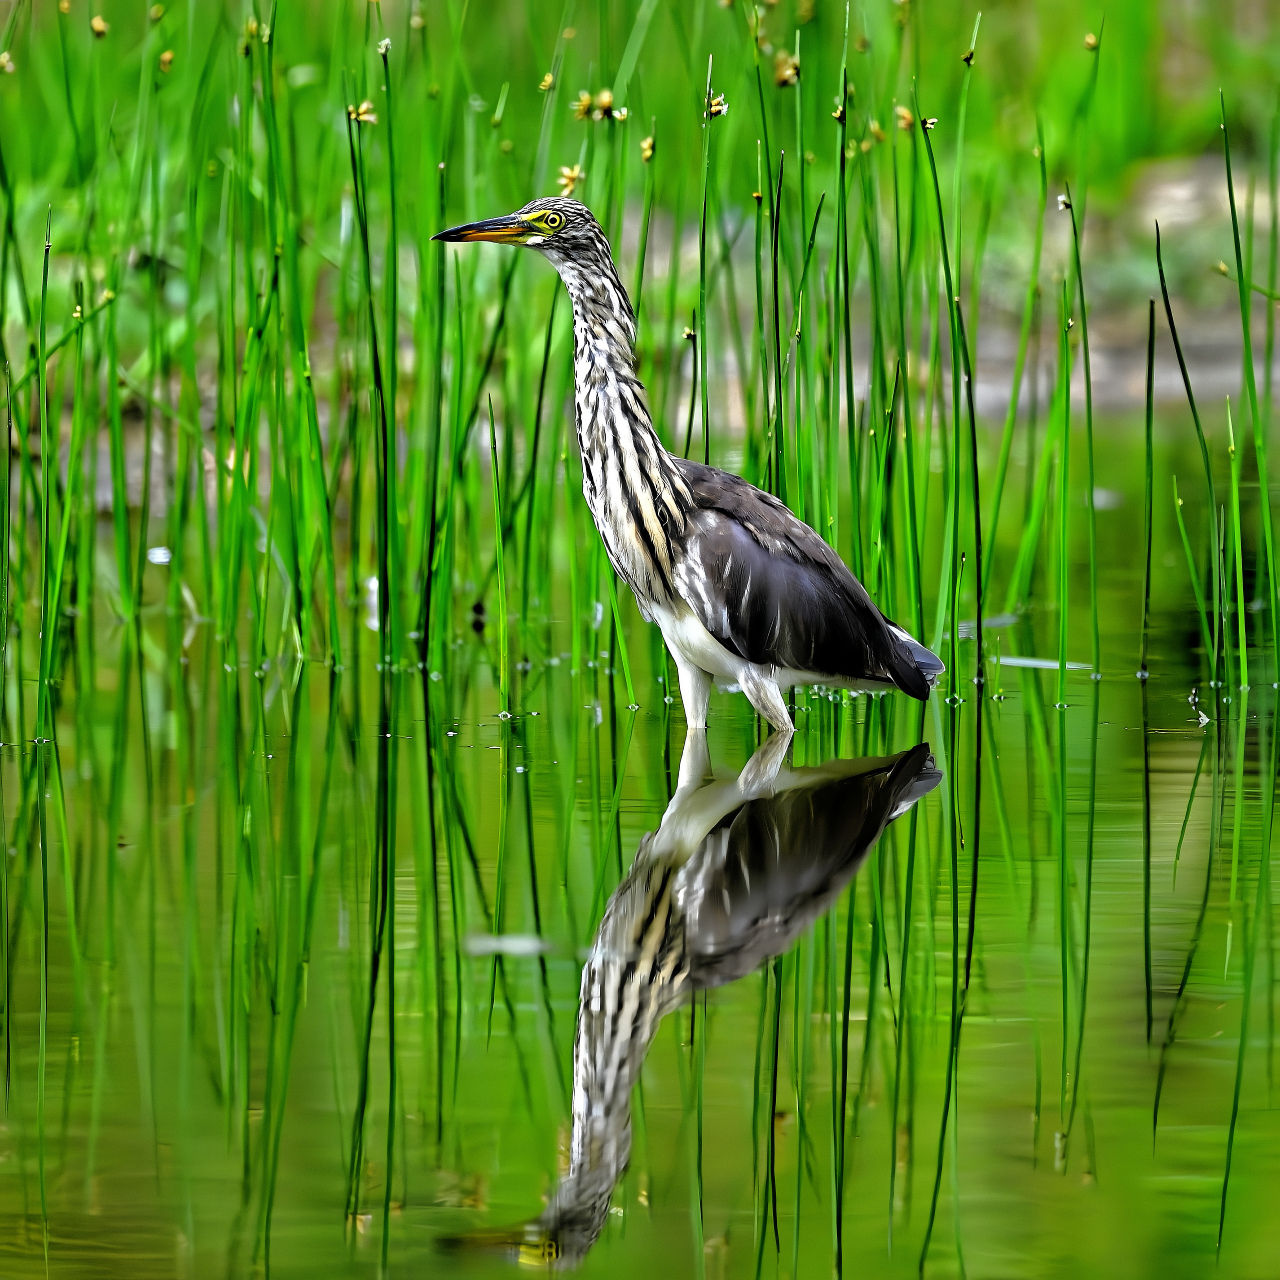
(553,220)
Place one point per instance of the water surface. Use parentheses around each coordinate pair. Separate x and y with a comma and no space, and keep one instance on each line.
(836,1048)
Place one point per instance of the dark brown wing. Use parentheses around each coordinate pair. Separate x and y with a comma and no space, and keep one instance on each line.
(773,592)
(767,872)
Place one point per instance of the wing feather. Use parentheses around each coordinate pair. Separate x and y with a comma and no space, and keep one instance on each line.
(773,592)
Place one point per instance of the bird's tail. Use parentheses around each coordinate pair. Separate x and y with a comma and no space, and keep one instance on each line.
(917,669)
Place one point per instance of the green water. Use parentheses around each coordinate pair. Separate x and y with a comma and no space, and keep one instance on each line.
(227,850)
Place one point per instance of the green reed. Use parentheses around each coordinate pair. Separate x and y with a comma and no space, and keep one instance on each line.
(1258,425)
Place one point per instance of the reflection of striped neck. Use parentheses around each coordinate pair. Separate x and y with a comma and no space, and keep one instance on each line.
(636,973)
(636,494)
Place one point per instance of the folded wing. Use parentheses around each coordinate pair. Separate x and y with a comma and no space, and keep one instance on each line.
(774,593)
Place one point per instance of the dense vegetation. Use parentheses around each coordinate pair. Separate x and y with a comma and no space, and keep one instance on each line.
(289,483)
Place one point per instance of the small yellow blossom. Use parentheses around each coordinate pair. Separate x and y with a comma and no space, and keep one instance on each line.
(546,82)
(417,21)
(786,69)
(876,131)
(64,6)
(719,107)
(1091,42)
(6,63)
(646,148)
(156,12)
(384,46)
(569,179)
(99,25)
(905,118)
(166,61)
(570,32)
(582,106)
(364,113)
(929,122)
(602,107)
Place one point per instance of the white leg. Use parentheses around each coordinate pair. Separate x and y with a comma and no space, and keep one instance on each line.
(763,693)
(695,690)
(695,762)
(761,770)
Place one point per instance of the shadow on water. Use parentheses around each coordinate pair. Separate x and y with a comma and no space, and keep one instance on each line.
(740,866)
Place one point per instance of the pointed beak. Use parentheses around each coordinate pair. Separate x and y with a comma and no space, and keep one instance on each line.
(511,229)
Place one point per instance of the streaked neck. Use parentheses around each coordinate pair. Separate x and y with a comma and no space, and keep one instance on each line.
(636,494)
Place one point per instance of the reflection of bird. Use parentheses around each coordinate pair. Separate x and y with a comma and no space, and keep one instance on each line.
(730,878)
(744,593)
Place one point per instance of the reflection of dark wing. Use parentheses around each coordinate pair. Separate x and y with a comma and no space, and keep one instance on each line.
(782,860)
(773,592)
(761,876)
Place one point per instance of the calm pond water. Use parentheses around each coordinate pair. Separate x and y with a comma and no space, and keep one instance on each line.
(803,1037)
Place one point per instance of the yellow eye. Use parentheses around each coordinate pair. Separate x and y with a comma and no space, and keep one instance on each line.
(553,220)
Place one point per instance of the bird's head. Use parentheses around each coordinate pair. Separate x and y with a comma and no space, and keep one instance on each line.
(564,231)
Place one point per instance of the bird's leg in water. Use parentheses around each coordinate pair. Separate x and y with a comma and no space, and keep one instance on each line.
(762,769)
(695,763)
(695,770)
(763,693)
(695,689)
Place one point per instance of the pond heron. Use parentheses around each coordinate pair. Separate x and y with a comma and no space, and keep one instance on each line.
(745,594)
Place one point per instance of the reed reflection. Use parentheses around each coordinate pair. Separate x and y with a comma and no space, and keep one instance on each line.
(738,868)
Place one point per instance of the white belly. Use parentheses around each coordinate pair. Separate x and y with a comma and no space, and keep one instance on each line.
(690,642)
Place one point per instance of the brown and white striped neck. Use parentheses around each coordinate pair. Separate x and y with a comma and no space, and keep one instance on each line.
(636,494)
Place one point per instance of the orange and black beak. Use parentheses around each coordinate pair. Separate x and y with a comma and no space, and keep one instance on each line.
(511,229)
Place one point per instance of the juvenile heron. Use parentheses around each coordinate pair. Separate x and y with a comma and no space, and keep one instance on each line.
(745,594)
